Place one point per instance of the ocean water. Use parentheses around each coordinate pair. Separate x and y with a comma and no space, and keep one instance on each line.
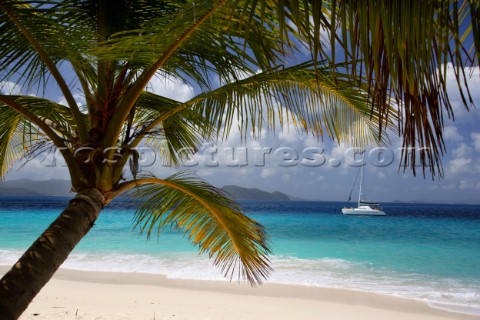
(429,252)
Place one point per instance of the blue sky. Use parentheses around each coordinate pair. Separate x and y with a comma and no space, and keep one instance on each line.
(274,162)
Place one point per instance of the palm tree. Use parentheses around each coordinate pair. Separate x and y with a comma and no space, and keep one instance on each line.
(404,51)
(115,48)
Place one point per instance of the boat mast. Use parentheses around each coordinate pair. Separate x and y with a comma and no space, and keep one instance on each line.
(360,192)
(361,186)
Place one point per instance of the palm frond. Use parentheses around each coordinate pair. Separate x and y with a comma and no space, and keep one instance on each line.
(318,100)
(211,221)
(55,116)
(29,124)
(403,50)
(218,44)
(61,36)
(178,136)
(202,39)
(17,137)
(37,43)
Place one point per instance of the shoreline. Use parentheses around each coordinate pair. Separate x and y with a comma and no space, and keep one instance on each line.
(75,294)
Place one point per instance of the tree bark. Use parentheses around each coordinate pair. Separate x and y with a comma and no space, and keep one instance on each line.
(37,265)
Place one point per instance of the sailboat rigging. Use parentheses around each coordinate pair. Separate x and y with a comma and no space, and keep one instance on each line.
(365,208)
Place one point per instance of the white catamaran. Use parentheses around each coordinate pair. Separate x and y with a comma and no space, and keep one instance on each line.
(364,208)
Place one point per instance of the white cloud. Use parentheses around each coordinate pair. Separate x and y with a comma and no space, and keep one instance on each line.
(311,141)
(268,172)
(462,161)
(459,165)
(449,186)
(290,134)
(205,173)
(242,172)
(288,131)
(462,164)
(286,177)
(451,133)
(476,140)
(8,87)
(462,151)
(338,152)
(464,184)
(79,99)
(460,112)
(36,169)
(170,87)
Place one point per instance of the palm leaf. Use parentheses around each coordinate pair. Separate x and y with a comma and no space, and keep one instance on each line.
(209,219)
(318,100)
(43,42)
(179,136)
(46,126)
(56,116)
(224,33)
(56,30)
(402,49)
(17,138)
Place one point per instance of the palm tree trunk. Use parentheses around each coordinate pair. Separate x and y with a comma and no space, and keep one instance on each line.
(34,269)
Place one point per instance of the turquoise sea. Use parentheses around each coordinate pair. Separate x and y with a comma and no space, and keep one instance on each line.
(429,252)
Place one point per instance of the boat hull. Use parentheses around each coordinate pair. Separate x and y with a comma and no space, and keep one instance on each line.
(363,211)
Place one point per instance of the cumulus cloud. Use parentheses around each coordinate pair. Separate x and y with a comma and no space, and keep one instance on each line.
(462,151)
(268,172)
(39,169)
(327,181)
(8,87)
(459,165)
(311,141)
(286,177)
(338,152)
(290,134)
(381,175)
(473,80)
(464,184)
(170,87)
(451,133)
(449,186)
(476,140)
(79,99)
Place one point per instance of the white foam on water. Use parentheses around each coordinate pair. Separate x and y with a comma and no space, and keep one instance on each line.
(9,257)
(454,295)
(461,296)
(174,265)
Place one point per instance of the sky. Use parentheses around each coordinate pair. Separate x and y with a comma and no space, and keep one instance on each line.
(289,161)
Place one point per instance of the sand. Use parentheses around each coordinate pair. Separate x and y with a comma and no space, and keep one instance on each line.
(83,295)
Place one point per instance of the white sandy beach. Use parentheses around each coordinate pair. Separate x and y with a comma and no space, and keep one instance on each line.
(82,295)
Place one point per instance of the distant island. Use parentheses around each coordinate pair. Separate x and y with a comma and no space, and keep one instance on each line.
(240,193)
(56,187)
(27,187)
